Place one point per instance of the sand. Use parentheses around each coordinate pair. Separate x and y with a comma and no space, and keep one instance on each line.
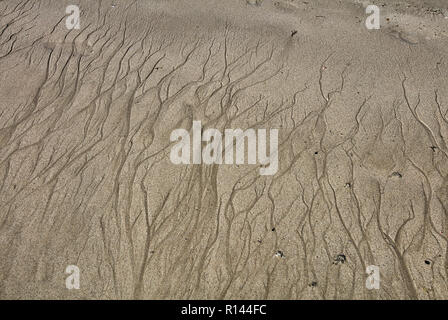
(86,178)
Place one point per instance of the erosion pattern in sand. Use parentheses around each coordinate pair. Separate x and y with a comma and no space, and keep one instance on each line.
(86,179)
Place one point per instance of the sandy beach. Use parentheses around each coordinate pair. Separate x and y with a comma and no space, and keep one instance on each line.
(87,177)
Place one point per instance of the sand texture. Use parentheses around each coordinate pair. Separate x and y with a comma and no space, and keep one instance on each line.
(85,172)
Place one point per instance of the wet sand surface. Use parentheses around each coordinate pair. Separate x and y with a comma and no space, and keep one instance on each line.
(85,171)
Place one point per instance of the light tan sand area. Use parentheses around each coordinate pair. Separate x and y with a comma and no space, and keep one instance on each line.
(89,195)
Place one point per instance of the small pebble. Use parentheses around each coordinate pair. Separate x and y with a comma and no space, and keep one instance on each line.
(280,254)
(340,258)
